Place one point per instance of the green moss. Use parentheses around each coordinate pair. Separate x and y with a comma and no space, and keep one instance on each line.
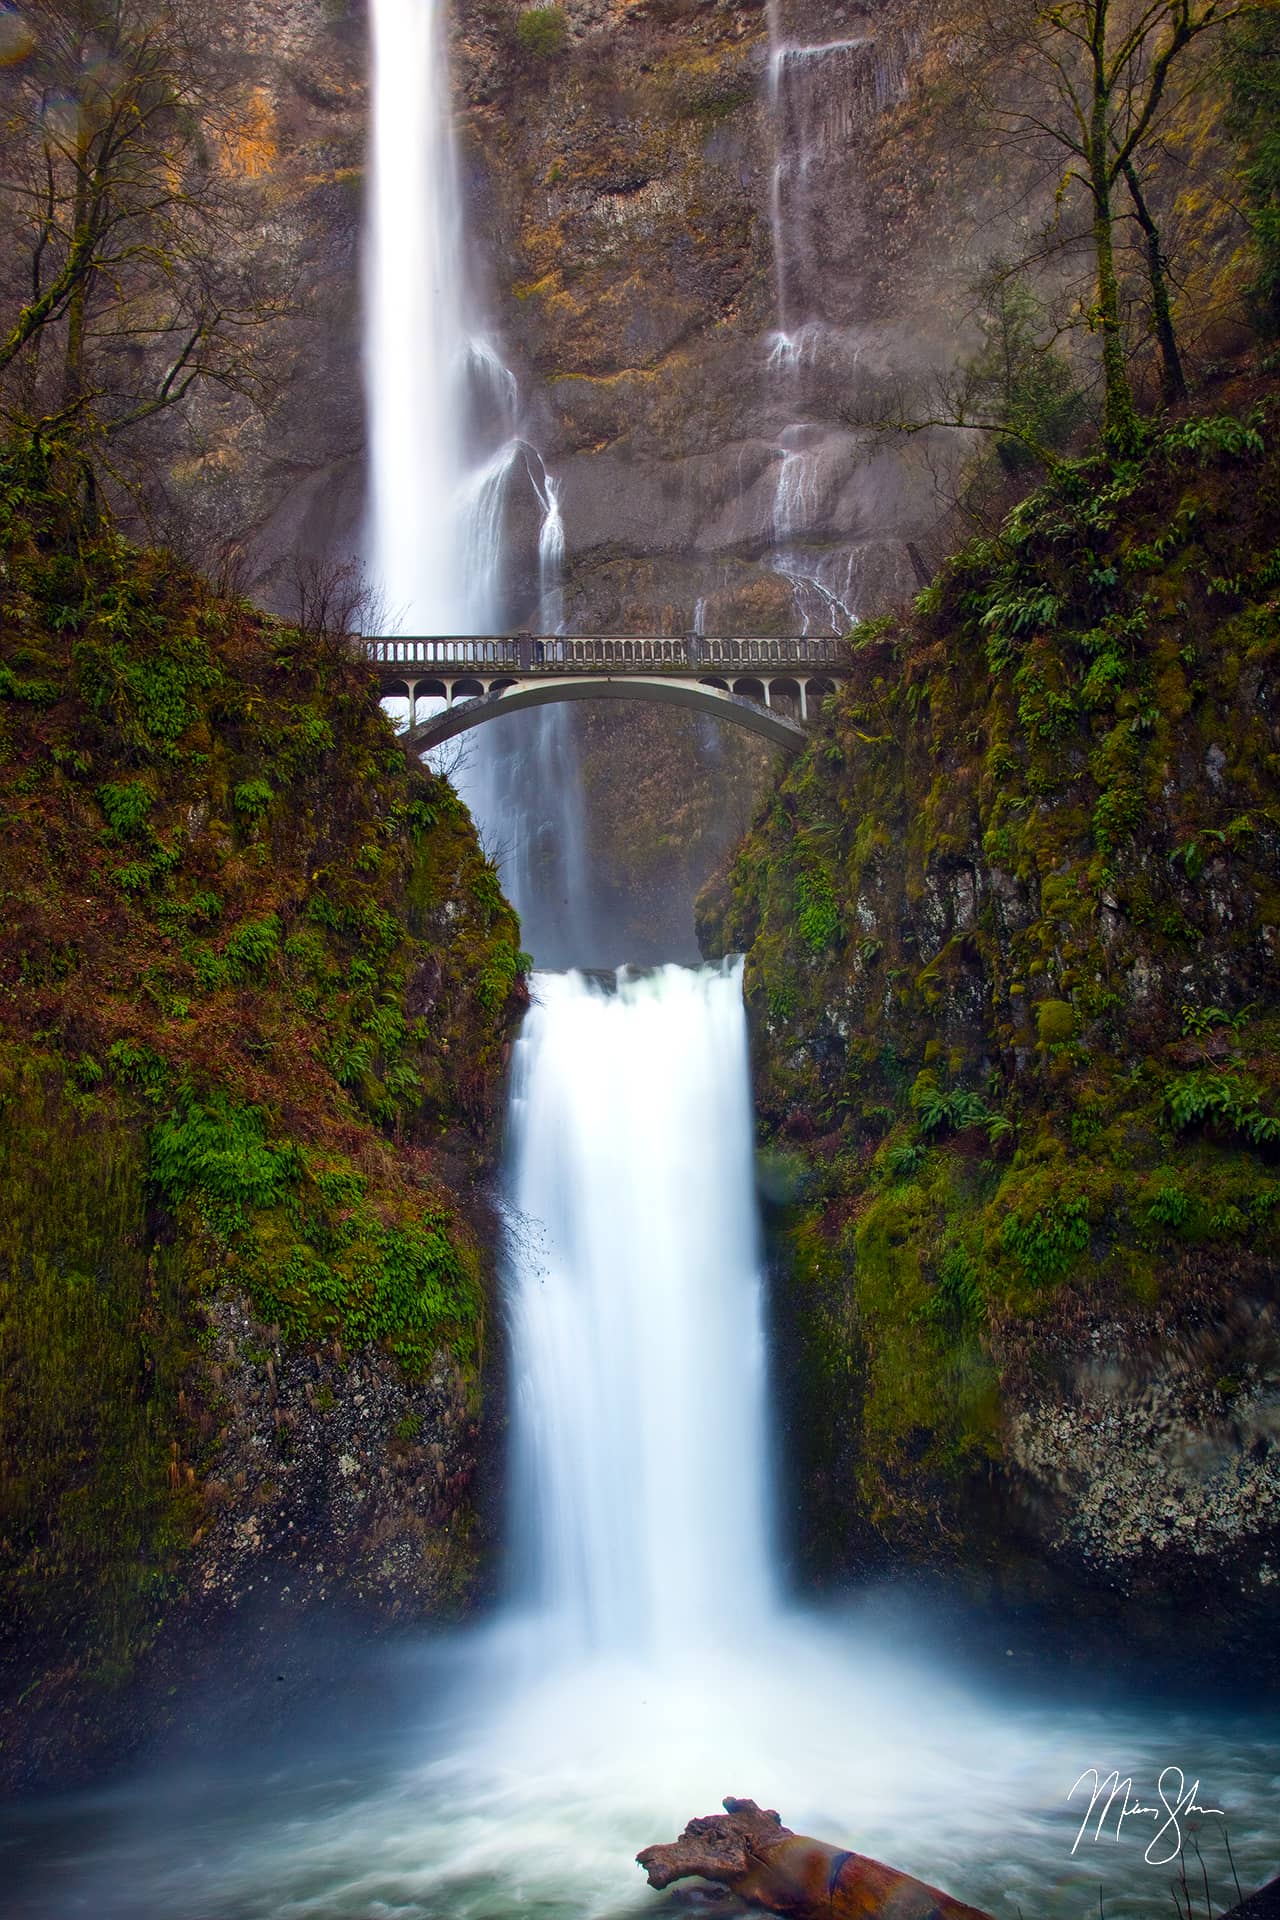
(257,983)
(1050,1085)
(541,31)
(1055,1022)
(94,1339)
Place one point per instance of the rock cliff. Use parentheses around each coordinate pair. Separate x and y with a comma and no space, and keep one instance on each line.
(256,988)
(1011,936)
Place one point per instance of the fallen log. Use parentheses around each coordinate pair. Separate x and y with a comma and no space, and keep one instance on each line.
(1262,1905)
(748,1850)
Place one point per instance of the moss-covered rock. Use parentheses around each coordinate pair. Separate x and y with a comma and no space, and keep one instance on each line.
(257,983)
(1011,925)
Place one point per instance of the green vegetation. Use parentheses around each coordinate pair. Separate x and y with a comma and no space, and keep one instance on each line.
(1253,69)
(256,986)
(541,31)
(1044,1081)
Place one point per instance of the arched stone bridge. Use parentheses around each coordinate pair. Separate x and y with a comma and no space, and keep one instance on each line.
(772,687)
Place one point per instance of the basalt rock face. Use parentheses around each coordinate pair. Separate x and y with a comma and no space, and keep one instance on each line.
(675,232)
(1011,935)
(677,245)
(271,487)
(710,237)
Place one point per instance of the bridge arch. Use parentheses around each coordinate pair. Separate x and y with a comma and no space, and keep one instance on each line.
(696,695)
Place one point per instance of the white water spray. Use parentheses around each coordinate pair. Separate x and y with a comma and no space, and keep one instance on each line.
(637,1319)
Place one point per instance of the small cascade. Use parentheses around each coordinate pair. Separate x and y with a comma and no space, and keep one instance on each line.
(795,500)
(820,94)
(550,556)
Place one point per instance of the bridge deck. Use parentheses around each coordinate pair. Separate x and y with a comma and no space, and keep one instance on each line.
(767,684)
(529,653)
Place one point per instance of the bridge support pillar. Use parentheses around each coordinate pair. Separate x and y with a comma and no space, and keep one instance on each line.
(804,705)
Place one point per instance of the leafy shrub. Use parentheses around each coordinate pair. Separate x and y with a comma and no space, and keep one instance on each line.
(1221,1100)
(126,804)
(1170,1207)
(817,915)
(1049,1241)
(252,798)
(904,1161)
(219,1152)
(957,1298)
(541,31)
(250,947)
(952,1110)
(1210,434)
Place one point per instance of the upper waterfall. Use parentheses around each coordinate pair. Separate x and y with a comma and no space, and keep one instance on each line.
(415,334)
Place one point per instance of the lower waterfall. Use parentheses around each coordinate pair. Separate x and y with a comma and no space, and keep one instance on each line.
(644,1663)
(636,1318)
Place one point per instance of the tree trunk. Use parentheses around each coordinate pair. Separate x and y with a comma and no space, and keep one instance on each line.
(1119,421)
(81,248)
(1173,382)
(748,1850)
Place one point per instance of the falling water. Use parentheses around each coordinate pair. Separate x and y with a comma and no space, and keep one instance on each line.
(636,1330)
(645,1663)
(818,96)
(447,444)
(550,556)
(416,337)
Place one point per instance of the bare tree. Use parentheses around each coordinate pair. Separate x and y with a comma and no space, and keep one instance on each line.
(131,275)
(333,599)
(1094,80)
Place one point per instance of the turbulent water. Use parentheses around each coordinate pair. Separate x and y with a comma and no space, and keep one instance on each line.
(644,1664)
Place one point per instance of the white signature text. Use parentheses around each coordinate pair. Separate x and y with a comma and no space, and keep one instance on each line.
(1112,1798)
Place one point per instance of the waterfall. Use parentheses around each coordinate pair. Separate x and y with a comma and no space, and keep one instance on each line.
(819,96)
(511,1770)
(550,555)
(447,443)
(637,1342)
(415,333)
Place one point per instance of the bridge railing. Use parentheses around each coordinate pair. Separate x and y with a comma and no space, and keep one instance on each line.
(526,653)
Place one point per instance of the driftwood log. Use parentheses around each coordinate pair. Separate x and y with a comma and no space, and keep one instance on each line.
(1262,1905)
(748,1850)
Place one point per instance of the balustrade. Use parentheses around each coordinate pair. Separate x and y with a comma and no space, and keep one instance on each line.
(528,653)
